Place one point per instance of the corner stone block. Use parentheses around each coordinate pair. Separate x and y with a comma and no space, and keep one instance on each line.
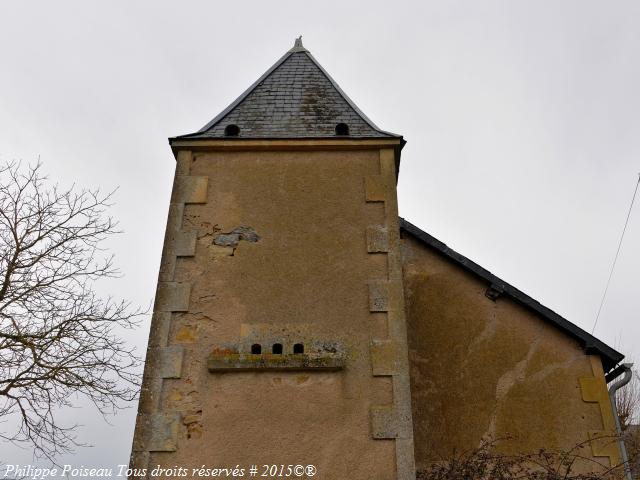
(172,297)
(170,361)
(183,162)
(387,422)
(592,389)
(190,189)
(160,324)
(375,188)
(379,296)
(383,358)
(383,422)
(139,462)
(185,244)
(605,444)
(139,439)
(377,239)
(163,432)
(405,463)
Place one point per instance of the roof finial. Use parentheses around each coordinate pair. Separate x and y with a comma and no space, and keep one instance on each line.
(297,46)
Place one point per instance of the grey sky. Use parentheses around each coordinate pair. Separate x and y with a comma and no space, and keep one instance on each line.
(521,117)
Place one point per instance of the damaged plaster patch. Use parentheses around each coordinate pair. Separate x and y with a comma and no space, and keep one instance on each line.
(509,380)
(194,316)
(193,421)
(232,239)
(487,334)
(187,334)
(190,406)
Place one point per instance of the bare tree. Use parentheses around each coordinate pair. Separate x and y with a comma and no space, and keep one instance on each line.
(487,463)
(58,338)
(628,406)
(628,403)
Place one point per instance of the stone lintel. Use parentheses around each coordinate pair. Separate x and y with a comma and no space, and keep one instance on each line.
(235,362)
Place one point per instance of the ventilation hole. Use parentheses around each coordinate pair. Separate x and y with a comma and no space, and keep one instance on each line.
(277,348)
(256,349)
(298,348)
(234,130)
(342,129)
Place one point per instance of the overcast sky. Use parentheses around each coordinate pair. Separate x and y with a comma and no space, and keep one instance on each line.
(522,121)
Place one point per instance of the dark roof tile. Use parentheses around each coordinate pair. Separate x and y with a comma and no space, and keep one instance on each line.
(295,98)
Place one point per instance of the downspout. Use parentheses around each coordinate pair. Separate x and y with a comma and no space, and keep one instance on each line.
(612,396)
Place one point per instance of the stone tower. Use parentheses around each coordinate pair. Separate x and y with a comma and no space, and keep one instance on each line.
(279,333)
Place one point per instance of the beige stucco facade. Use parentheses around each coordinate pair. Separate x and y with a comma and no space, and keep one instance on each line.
(316,262)
(493,369)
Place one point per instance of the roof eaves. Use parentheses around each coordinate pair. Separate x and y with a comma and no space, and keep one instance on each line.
(197,137)
(610,356)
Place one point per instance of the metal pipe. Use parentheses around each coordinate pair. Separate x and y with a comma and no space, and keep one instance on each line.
(626,378)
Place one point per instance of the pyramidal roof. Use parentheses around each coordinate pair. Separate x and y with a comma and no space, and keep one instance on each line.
(295,98)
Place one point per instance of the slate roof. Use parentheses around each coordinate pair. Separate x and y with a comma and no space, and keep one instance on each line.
(295,98)
(592,345)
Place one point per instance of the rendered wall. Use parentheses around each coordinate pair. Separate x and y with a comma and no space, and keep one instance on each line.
(485,369)
(285,247)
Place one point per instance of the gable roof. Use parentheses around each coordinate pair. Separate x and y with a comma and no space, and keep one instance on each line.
(610,357)
(295,98)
